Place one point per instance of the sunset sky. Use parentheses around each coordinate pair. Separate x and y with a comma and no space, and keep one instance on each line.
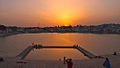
(58,12)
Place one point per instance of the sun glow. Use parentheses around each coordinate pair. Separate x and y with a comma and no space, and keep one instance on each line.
(64,15)
(65,18)
(66,25)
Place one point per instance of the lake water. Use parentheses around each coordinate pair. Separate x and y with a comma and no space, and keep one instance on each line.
(98,44)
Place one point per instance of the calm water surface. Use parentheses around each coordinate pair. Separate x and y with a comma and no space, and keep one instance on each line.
(99,44)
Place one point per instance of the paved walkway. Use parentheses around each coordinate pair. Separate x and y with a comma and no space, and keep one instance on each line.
(87,63)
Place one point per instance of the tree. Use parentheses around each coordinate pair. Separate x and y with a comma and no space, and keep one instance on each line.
(2,27)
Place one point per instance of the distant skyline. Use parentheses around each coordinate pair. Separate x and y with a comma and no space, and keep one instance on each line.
(58,12)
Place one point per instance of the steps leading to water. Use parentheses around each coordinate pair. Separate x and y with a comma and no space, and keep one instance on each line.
(23,54)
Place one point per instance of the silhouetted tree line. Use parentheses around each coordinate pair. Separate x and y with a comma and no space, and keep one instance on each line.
(2,27)
(109,28)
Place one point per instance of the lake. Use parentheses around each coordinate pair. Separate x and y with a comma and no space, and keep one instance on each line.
(98,44)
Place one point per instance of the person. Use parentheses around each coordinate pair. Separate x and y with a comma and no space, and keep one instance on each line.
(107,63)
(1,59)
(64,59)
(69,63)
(60,59)
(115,53)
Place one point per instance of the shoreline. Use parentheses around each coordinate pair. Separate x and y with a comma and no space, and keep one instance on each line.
(9,34)
(15,33)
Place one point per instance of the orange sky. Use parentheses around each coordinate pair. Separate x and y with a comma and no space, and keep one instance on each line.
(58,12)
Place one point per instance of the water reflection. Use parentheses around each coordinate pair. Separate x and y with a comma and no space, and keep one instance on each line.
(98,44)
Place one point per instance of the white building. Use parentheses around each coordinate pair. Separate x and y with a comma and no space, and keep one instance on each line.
(9,30)
(20,29)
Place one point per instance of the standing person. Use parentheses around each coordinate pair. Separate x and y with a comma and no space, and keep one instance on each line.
(64,59)
(115,53)
(107,63)
(1,59)
(69,63)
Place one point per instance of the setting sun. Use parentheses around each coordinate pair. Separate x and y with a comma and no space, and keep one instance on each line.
(65,19)
(65,16)
(66,25)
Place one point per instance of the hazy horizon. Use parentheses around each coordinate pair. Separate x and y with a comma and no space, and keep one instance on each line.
(58,12)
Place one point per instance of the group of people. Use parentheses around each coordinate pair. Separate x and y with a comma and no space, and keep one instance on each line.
(69,62)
